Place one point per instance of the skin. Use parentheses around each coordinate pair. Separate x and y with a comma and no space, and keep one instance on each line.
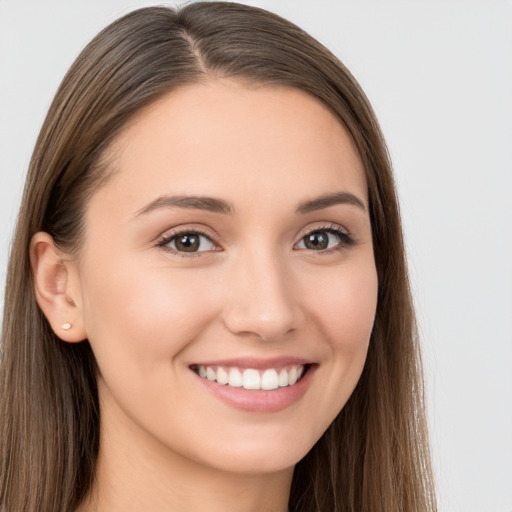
(256,290)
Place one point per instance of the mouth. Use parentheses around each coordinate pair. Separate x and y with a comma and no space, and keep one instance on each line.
(253,379)
(256,385)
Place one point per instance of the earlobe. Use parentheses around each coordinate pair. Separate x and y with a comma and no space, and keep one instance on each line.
(56,288)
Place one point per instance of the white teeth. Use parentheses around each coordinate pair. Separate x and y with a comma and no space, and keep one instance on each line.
(292,376)
(222,376)
(235,378)
(283,378)
(211,374)
(269,380)
(250,378)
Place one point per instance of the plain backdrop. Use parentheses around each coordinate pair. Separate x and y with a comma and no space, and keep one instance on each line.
(439,75)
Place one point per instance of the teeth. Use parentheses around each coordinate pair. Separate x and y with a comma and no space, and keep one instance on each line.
(292,376)
(235,378)
(250,378)
(269,380)
(283,379)
(222,376)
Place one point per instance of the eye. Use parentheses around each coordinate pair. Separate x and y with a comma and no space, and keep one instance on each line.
(188,241)
(325,239)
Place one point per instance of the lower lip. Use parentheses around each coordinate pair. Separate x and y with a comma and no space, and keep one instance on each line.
(260,400)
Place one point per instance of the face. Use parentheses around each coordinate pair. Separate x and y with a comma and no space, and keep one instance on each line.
(227,279)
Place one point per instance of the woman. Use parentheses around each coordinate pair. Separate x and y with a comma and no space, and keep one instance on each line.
(207,301)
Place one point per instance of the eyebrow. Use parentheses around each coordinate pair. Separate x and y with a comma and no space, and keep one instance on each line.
(215,205)
(210,204)
(330,200)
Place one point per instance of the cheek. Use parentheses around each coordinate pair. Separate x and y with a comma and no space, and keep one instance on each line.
(143,316)
(344,305)
(341,305)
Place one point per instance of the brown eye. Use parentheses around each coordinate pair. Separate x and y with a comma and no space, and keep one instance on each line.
(317,240)
(190,242)
(325,239)
(187,243)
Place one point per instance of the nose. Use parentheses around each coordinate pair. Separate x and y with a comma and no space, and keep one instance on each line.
(262,300)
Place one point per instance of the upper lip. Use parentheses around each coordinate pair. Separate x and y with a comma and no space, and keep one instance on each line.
(256,362)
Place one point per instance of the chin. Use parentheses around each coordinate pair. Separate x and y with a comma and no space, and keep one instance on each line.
(259,450)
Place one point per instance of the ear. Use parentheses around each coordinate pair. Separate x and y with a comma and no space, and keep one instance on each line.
(57,288)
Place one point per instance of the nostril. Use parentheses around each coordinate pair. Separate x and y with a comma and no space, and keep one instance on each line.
(263,304)
(251,320)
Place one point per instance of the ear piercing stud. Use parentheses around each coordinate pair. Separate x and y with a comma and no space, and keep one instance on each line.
(66,326)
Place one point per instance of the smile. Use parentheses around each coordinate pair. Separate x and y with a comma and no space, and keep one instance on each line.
(251,378)
(256,385)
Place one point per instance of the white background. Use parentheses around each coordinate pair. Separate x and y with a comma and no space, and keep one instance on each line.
(439,74)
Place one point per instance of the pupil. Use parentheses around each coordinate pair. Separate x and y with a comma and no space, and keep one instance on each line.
(188,243)
(316,241)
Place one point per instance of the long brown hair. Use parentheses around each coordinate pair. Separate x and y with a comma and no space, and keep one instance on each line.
(374,456)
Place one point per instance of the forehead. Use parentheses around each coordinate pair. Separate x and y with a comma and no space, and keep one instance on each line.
(228,138)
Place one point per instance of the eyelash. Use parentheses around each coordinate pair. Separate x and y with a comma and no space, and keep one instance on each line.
(169,237)
(345,240)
